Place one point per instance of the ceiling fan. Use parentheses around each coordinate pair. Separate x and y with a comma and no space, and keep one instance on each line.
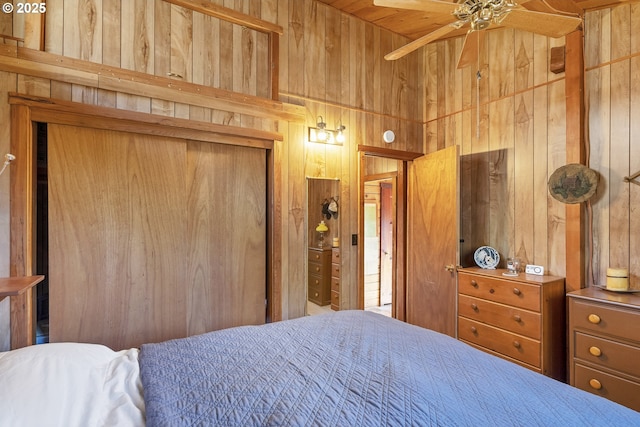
(479,15)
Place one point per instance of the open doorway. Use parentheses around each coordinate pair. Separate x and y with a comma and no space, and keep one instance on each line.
(379,243)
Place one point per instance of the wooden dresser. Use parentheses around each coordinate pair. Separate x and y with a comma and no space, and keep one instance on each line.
(521,319)
(335,279)
(319,277)
(604,344)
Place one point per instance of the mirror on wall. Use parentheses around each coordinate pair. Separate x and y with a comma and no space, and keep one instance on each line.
(323,245)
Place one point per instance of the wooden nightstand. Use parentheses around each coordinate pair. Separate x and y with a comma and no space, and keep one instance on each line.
(604,344)
(521,319)
(20,292)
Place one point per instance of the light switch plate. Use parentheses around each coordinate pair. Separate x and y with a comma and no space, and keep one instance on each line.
(534,269)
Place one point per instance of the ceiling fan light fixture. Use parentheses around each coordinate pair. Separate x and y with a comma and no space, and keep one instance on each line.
(480,14)
(480,21)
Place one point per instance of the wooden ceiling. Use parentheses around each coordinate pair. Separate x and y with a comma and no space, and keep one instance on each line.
(414,24)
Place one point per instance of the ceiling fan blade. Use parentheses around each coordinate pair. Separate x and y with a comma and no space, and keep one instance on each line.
(470,48)
(546,24)
(562,7)
(418,43)
(435,6)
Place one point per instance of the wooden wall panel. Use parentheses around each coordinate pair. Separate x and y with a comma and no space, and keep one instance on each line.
(509,124)
(341,75)
(556,157)
(611,63)
(8,82)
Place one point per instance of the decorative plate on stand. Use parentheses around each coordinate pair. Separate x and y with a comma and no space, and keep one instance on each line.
(486,257)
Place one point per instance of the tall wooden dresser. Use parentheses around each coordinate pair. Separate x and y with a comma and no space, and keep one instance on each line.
(521,319)
(335,279)
(319,277)
(604,344)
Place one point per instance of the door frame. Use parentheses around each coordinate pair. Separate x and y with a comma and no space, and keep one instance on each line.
(391,177)
(402,157)
(26,111)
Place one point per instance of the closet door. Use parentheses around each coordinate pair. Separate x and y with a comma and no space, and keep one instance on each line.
(227,228)
(153,238)
(116,236)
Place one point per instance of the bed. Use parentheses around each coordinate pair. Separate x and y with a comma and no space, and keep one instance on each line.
(352,368)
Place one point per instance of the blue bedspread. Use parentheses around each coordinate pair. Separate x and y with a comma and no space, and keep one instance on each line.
(353,368)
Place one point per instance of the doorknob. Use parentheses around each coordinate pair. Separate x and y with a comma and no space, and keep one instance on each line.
(451,268)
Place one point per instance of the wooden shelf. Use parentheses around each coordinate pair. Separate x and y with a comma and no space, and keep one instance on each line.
(14,286)
(20,290)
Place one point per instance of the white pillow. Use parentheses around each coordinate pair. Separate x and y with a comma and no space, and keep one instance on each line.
(70,384)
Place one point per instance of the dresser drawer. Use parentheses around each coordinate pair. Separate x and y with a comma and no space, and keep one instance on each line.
(608,386)
(513,319)
(609,354)
(315,268)
(605,319)
(316,255)
(517,294)
(315,289)
(512,345)
(335,300)
(335,284)
(335,270)
(335,256)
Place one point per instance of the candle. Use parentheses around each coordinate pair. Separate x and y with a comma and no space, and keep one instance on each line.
(617,279)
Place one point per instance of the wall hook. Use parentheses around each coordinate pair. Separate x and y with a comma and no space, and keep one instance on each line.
(632,178)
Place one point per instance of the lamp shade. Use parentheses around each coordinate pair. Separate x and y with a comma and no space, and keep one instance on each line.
(322,227)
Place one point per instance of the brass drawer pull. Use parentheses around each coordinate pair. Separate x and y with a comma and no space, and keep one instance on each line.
(594,318)
(317,294)
(595,384)
(516,344)
(516,291)
(517,318)
(474,283)
(317,268)
(595,351)
(317,282)
(317,256)
(474,307)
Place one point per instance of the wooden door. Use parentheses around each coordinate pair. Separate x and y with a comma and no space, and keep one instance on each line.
(433,240)
(149,236)
(386,243)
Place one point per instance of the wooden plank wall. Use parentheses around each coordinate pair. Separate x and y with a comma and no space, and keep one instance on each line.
(612,63)
(330,64)
(509,147)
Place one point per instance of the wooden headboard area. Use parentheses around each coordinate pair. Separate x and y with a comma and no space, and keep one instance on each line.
(158,228)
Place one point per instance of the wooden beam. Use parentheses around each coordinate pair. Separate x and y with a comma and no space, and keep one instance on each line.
(370,150)
(73,113)
(31,62)
(22,238)
(229,15)
(574,87)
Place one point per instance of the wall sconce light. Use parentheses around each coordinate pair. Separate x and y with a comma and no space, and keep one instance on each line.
(340,138)
(321,134)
